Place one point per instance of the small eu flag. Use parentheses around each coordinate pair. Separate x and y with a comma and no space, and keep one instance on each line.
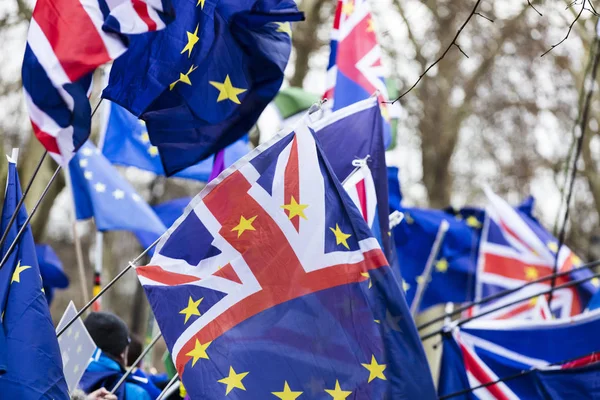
(100,192)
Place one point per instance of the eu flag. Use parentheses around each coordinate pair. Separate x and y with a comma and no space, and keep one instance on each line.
(168,212)
(51,269)
(100,192)
(202,83)
(271,285)
(30,361)
(126,142)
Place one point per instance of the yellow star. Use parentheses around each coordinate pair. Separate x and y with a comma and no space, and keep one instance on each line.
(201,4)
(595,282)
(295,209)
(371,27)
(366,275)
(198,352)
(338,393)
(234,380)
(531,273)
(375,370)
(183,78)
(575,260)
(191,309)
(287,393)
(473,222)
(284,27)
(348,7)
(377,321)
(227,91)
(340,237)
(192,39)
(441,265)
(533,301)
(405,285)
(153,151)
(144,137)
(420,279)
(552,246)
(17,274)
(244,225)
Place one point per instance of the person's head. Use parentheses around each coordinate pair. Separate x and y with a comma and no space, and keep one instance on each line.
(134,351)
(110,334)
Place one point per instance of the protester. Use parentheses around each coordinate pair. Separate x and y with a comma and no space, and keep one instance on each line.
(142,379)
(111,336)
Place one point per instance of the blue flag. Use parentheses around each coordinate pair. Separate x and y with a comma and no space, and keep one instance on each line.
(168,212)
(126,142)
(277,288)
(355,132)
(30,362)
(100,192)
(569,383)
(202,83)
(484,351)
(51,269)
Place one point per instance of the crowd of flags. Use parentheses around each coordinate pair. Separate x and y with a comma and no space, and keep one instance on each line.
(283,278)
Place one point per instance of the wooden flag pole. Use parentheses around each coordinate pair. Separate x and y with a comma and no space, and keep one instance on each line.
(76,241)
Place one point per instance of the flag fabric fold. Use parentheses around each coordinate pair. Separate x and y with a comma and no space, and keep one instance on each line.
(277,287)
(30,359)
(99,191)
(67,41)
(201,83)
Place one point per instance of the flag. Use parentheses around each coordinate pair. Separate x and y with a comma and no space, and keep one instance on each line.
(30,362)
(569,382)
(361,188)
(126,142)
(100,192)
(355,70)
(455,266)
(355,132)
(485,351)
(516,249)
(51,269)
(277,288)
(201,84)
(67,41)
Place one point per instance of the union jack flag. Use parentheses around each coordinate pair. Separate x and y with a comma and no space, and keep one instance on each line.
(67,41)
(486,351)
(355,71)
(271,284)
(514,250)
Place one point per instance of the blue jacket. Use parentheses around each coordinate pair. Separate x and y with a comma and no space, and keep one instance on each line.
(144,381)
(105,372)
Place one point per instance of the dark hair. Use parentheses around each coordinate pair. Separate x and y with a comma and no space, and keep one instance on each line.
(135,349)
(109,332)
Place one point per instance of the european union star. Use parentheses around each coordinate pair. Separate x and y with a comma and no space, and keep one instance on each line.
(30,361)
(202,83)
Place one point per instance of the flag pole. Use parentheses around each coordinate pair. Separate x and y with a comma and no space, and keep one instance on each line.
(167,390)
(507,292)
(512,303)
(76,240)
(136,362)
(98,266)
(435,249)
(108,286)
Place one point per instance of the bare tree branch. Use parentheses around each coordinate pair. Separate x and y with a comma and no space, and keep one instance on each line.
(570,28)
(441,57)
